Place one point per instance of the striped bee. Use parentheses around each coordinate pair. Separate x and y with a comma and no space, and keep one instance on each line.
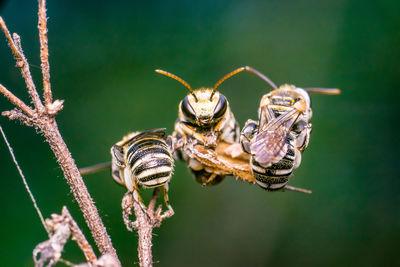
(143,159)
(276,141)
(229,159)
(204,118)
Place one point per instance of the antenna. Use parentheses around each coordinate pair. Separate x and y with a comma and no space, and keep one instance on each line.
(163,72)
(325,91)
(261,76)
(224,78)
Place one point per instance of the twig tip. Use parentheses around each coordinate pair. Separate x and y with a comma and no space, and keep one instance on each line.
(16,36)
(6,113)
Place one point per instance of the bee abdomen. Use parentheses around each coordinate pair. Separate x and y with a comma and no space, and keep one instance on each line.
(150,161)
(275,176)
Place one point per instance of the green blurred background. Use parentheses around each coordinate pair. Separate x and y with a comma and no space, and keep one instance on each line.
(103,55)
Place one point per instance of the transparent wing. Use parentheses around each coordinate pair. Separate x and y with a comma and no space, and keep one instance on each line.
(269,146)
(154,133)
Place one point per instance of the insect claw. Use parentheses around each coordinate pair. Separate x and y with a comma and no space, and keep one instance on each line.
(211,178)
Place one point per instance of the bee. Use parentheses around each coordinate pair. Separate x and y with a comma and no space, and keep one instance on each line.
(276,141)
(143,159)
(205,119)
(227,159)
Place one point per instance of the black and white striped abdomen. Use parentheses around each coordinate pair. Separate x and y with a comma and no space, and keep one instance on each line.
(150,161)
(277,175)
(142,159)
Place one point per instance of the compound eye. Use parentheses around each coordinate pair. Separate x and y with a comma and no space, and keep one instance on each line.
(220,109)
(249,129)
(299,127)
(187,109)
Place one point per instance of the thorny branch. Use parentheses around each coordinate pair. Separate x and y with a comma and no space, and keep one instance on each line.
(43,118)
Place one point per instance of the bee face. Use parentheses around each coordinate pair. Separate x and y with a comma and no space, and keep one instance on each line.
(204,120)
(202,110)
(203,107)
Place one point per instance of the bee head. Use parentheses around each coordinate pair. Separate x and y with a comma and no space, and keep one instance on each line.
(207,110)
(286,96)
(205,106)
(289,95)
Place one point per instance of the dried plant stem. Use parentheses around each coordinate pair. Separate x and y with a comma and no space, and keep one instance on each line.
(44,120)
(76,232)
(146,220)
(44,52)
(60,228)
(16,101)
(145,227)
(71,173)
(78,236)
(23,65)
(144,224)
(144,230)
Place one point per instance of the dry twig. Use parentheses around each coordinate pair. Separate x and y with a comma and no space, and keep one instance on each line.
(145,221)
(47,253)
(51,249)
(146,218)
(42,117)
(78,236)
(61,228)
(106,260)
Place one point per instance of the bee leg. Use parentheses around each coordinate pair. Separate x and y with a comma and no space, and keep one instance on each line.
(185,130)
(127,205)
(117,164)
(138,199)
(211,178)
(172,143)
(297,189)
(304,138)
(170,210)
(94,168)
(248,132)
(302,132)
(181,132)
(117,155)
(206,178)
